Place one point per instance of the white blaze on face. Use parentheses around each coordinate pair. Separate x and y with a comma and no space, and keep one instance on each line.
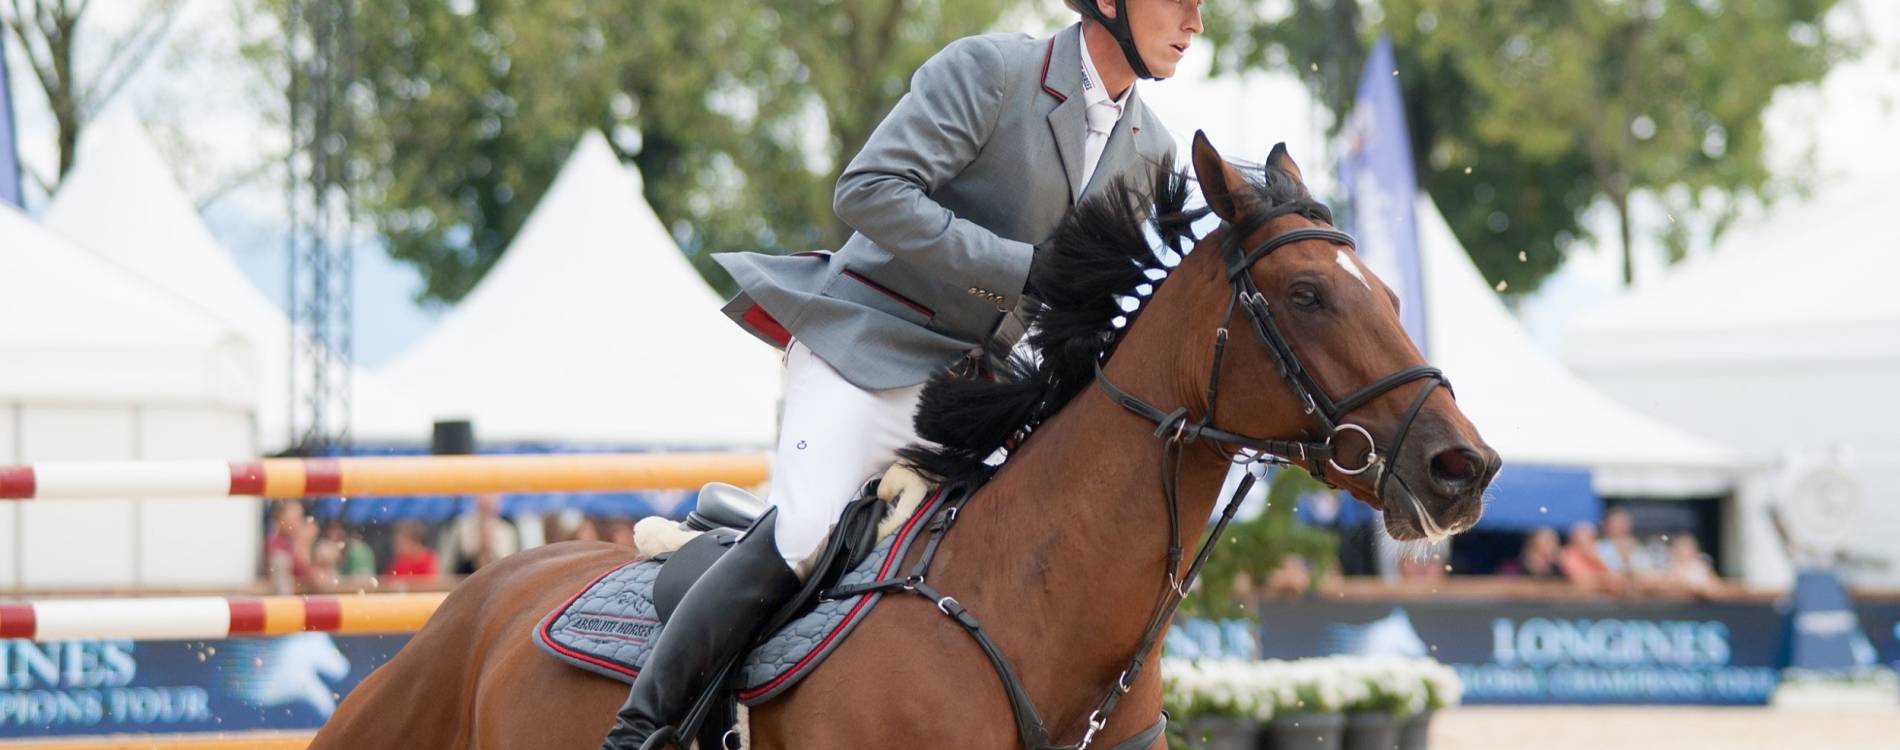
(1352,267)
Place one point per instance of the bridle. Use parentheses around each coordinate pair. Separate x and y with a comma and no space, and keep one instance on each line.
(1177,431)
(1316,457)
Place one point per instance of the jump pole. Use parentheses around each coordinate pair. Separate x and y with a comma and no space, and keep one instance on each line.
(383,476)
(195,618)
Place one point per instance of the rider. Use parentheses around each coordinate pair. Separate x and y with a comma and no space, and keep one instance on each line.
(999,136)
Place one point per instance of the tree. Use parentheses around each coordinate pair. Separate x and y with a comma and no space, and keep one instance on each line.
(738,113)
(1553,105)
(1255,547)
(50,33)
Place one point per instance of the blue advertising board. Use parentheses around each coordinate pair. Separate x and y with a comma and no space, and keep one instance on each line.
(1510,652)
(1880,622)
(110,686)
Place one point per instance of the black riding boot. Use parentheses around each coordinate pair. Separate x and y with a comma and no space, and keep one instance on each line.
(717,618)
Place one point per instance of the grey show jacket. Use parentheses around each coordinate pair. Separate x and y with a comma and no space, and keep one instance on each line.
(979,161)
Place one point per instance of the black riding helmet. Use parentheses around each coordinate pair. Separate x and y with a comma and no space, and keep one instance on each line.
(1118,28)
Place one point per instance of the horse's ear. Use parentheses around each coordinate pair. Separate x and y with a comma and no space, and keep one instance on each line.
(1220,182)
(1283,161)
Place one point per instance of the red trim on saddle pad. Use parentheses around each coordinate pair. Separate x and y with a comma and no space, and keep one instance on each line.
(547,622)
(906,301)
(863,601)
(1046,57)
(544,631)
(764,323)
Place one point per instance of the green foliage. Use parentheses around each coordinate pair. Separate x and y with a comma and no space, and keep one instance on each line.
(738,114)
(51,34)
(1257,546)
(1554,104)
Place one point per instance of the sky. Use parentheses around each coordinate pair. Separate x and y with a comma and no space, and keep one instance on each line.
(207,109)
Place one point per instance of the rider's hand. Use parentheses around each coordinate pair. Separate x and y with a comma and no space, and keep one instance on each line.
(1037,262)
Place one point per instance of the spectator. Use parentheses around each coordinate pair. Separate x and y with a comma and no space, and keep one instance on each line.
(1290,579)
(571,524)
(324,557)
(1538,558)
(355,560)
(1689,570)
(1423,565)
(1581,563)
(1622,553)
(620,531)
(479,537)
(287,547)
(411,559)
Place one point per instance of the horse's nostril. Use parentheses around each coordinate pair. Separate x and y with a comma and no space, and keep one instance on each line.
(1457,468)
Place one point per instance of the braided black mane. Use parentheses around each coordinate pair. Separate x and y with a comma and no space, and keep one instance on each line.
(1101,255)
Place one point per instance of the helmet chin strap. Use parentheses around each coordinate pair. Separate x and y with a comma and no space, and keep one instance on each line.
(1124,35)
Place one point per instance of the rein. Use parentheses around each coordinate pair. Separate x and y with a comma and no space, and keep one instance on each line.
(1177,431)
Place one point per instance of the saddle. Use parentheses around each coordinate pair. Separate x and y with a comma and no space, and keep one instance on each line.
(609,626)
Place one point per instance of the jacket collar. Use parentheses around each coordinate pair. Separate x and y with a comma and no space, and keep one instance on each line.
(1068,121)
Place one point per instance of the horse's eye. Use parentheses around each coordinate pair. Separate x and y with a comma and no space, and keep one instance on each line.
(1305,297)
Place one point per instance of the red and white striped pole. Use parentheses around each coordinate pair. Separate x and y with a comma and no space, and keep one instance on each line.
(195,618)
(378,476)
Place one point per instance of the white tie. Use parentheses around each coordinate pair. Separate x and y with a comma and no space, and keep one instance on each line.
(1101,119)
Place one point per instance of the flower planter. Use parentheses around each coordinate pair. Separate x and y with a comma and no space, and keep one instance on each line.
(1221,733)
(1305,732)
(1371,730)
(1415,734)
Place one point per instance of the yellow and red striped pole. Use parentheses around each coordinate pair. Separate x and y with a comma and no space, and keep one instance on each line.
(193,618)
(378,476)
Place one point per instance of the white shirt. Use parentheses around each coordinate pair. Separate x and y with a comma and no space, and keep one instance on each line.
(1102,114)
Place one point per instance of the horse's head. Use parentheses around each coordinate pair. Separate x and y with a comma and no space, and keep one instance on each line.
(1315,350)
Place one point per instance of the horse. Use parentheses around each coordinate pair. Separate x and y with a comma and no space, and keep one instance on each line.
(1118,435)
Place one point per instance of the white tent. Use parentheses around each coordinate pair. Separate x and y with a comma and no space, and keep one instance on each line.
(593,328)
(101,366)
(1533,410)
(1786,337)
(121,203)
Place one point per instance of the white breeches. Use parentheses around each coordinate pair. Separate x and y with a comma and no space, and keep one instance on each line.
(833,437)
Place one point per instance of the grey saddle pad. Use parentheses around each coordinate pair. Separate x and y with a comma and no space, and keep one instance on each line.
(610,626)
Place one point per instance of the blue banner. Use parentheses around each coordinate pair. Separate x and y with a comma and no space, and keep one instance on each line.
(439,508)
(9,153)
(112,686)
(1528,497)
(1880,623)
(1824,631)
(1376,174)
(1512,652)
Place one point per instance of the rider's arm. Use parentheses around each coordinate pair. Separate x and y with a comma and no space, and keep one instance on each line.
(935,131)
